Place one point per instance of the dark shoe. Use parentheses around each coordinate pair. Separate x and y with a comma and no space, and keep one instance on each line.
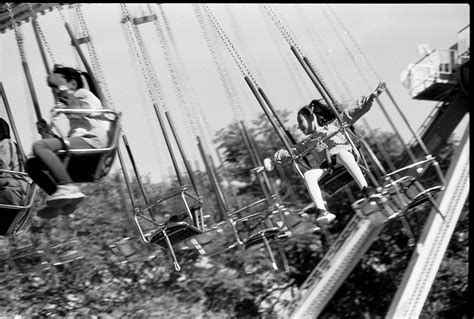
(368,192)
(48,212)
(324,217)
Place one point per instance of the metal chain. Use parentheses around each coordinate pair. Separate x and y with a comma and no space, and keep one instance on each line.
(177,70)
(149,68)
(359,49)
(60,10)
(17,31)
(126,21)
(324,57)
(229,45)
(40,31)
(348,51)
(229,89)
(145,64)
(224,76)
(302,87)
(93,55)
(291,39)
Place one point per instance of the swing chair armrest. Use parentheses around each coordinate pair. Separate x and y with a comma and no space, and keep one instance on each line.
(17,174)
(88,151)
(247,207)
(311,143)
(419,167)
(67,111)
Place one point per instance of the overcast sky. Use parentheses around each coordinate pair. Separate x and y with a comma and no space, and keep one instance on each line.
(382,39)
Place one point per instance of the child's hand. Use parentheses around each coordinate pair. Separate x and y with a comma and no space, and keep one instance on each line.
(55,80)
(282,156)
(43,129)
(379,89)
(268,164)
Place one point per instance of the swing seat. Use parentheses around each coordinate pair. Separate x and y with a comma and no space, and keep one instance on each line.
(29,260)
(64,253)
(333,182)
(176,233)
(14,218)
(424,196)
(92,164)
(259,237)
(216,240)
(378,211)
(299,223)
(130,251)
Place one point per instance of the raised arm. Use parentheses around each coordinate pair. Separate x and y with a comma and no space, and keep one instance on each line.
(362,105)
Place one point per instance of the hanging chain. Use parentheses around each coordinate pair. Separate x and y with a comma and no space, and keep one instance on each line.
(176,69)
(359,49)
(40,31)
(127,22)
(291,39)
(99,74)
(229,45)
(302,87)
(17,31)
(224,76)
(229,88)
(348,51)
(60,10)
(324,57)
(143,59)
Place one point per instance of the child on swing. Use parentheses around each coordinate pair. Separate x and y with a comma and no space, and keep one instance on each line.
(319,121)
(86,131)
(11,189)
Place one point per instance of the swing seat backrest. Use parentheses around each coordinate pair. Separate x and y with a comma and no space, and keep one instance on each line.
(90,165)
(14,217)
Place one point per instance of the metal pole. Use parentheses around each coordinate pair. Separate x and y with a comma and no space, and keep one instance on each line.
(262,104)
(290,136)
(420,142)
(409,152)
(168,145)
(217,190)
(130,155)
(183,155)
(12,124)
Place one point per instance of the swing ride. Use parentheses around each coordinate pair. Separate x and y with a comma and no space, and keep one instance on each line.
(267,222)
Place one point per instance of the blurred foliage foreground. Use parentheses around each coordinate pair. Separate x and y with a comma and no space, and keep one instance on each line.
(237,283)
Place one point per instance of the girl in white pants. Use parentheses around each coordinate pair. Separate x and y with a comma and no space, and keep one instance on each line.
(318,121)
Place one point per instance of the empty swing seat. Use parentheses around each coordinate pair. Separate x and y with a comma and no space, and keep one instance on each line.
(259,237)
(176,233)
(130,250)
(29,259)
(90,165)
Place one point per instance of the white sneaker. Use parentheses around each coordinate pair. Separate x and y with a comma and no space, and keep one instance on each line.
(65,194)
(324,218)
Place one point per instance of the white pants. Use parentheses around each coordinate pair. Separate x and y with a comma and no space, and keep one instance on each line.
(312,176)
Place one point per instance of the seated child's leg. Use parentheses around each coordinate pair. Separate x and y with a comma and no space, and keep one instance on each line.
(347,159)
(37,171)
(45,150)
(311,178)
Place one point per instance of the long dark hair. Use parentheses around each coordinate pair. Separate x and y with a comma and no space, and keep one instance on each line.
(324,114)
(4,130)
(74,74)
